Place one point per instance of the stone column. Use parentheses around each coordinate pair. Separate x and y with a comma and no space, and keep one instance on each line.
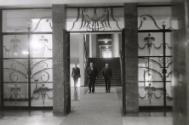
(61,55)
(181,63)
(131,58)
(1,63)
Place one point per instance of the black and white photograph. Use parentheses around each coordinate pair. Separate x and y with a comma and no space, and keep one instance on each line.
(94,62)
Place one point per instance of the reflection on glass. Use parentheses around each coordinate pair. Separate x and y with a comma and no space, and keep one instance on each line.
(41,45)
(15,46)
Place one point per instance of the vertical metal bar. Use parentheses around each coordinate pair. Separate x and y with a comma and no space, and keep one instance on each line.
(164,73)
(68,59)
(1,61)
(29,69)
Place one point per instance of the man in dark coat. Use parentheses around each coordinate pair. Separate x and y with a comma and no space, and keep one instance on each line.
(92,74)
(107,73)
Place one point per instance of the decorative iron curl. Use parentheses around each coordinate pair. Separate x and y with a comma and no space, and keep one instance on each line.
(143,18)
(153,70)
(14,73)
(42,71)
(150,93)
(41,92)
(38,23)
(144,96)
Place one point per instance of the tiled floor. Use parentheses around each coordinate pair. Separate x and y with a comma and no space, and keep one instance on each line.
(92,109)
(152,120)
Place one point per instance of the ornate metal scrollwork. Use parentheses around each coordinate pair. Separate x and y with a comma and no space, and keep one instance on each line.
(42,92)
(42,74)
(48,20)
(16,94)
(149,43)
(153,65)
(147,17)
(151,92)
(18,71)
(95,21)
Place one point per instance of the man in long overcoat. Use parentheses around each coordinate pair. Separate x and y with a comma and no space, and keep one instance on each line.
(107,73)
(92,74)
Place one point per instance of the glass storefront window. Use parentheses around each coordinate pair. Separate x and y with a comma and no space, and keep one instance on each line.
(33,20)
(27,57)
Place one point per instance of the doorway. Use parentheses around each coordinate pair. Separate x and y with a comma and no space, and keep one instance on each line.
(90,47)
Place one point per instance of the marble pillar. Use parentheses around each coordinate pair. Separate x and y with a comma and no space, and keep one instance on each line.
(81,61)
(61,63)
(115,45)
(181,63)
(131,58)
(92,46)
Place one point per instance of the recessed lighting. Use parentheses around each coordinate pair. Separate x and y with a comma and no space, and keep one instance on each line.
(106,41)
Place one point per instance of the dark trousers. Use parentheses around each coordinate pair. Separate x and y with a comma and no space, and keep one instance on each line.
(108,84)
(92,85)
(75,89)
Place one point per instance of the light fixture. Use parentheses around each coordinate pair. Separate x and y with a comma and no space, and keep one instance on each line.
(106,41)
(25,52)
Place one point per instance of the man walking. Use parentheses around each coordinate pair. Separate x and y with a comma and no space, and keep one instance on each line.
(107,73)
(92,74)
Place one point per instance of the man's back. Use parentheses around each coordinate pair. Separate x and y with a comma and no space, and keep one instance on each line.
(107,72)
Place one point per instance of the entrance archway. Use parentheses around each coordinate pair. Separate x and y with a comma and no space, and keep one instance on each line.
(61,57)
